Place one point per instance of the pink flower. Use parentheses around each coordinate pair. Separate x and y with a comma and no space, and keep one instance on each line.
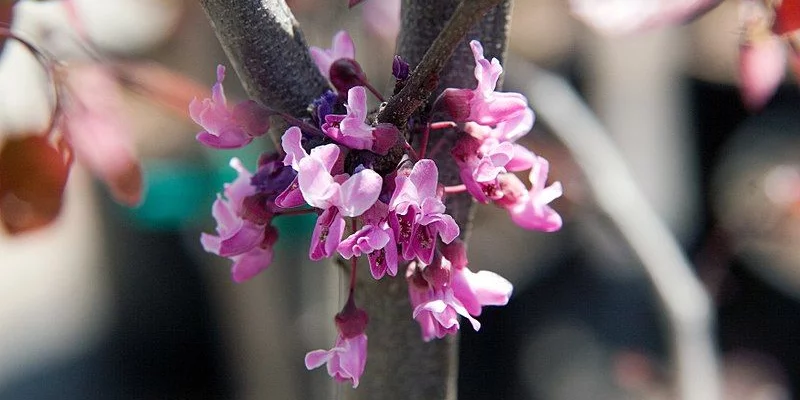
(341,47)
(474,290)
(348,357)
(378,243)
(485,106)
(352,195)
(95,125)
(436,309)
(346,360)
(247,243)
(479,168)
(417,214)
(351,130)
(226,127)
(340,196)
(530,209)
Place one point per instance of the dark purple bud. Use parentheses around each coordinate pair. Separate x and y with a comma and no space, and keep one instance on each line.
(351,321)
(324,105)
(456,252)
(253,117)
(255,209)
(455,102)
(272,176)
(437,274)
(400,69)
(353,3)
(346,73)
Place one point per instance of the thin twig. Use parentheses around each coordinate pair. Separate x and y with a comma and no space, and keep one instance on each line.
(686,304)
(424,80)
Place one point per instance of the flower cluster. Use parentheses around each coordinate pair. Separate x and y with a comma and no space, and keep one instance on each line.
(376,196)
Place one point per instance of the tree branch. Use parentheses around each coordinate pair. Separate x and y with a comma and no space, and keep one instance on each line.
(268,52)
(400,364)
(423,80)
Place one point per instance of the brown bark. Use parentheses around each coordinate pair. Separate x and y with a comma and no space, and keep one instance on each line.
(268,52)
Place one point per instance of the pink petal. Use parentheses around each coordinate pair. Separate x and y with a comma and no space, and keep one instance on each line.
(316,183)
(250,264)
(359,192)
(425,177)
(290,142)
(315,359)
(248,236)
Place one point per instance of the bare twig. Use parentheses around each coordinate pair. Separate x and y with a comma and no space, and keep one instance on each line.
(686,303)
(268,52)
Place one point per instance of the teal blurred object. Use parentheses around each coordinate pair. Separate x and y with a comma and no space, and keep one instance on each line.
(177,193)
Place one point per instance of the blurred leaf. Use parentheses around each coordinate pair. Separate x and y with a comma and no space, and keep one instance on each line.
(161,85)
(126,187)
(32,179)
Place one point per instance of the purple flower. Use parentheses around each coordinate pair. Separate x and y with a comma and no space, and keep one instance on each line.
(341,47)
(226,127)
(417,214)
(247,243)
(530,209)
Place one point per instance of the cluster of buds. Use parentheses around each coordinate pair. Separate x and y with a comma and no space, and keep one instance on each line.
(376,195)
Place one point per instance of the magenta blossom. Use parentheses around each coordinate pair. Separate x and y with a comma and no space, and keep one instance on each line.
(348,357)
(227,127)
(341,47)
(351,130)
(530,209)
(417,214)
(436,308)
(246,242)
(482,104)
(474,290)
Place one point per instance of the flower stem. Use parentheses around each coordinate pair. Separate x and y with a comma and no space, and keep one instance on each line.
(305,126)
(299,211)
(455,189)
(353,262)
(423,80)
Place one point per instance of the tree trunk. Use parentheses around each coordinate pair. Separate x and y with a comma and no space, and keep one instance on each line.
(263,42)
(399,364)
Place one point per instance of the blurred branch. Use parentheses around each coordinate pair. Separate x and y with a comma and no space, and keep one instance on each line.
(401,366)
(268,52)
(685,301)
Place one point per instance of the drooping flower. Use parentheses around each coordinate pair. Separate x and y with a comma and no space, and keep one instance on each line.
(436,308)
(246,242)
(227,127)
(530,209)
(348,357)
(475,290)
(341,47)
(417,214)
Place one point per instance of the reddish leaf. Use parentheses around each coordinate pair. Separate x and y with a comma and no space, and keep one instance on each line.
(32,179)
(126,187)
(787,17)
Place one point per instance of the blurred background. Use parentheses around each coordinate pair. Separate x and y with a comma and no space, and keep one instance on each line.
(116,303)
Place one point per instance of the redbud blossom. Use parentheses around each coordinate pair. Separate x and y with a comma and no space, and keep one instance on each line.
(227,127)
